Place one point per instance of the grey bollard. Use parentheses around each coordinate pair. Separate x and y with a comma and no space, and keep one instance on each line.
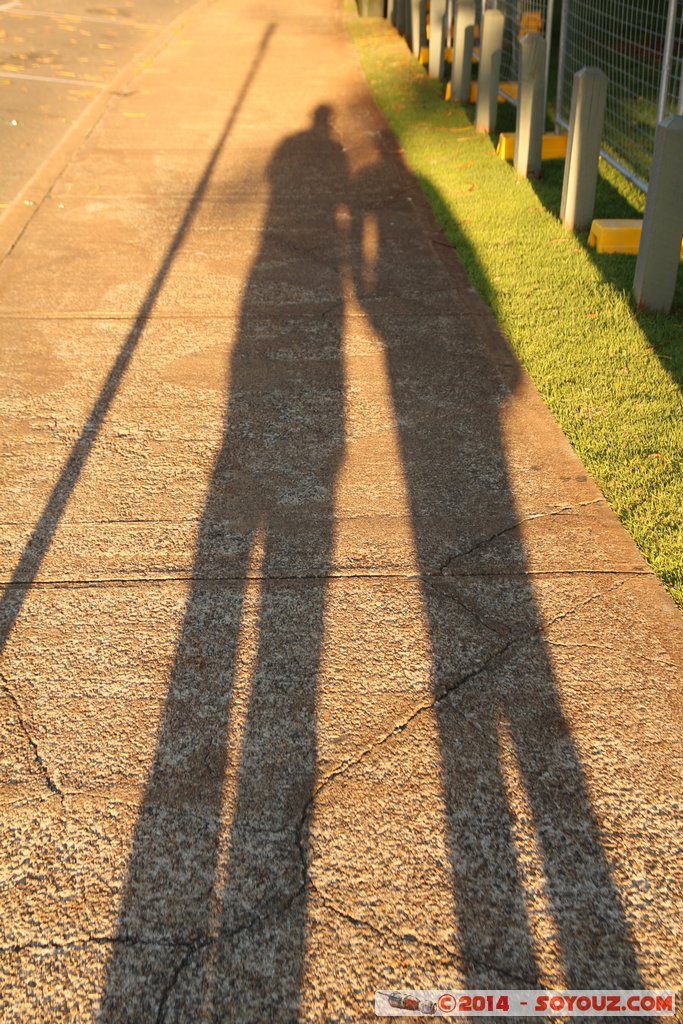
(659,254)
(417,25)
(463,41)
(371,8)
(493,25)
(589,95)
(530,107)
(437,11)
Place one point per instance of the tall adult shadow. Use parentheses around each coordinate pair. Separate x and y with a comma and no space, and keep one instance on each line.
(213,917)
(500,718)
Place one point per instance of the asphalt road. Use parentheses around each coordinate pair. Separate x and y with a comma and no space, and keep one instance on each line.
(54,59)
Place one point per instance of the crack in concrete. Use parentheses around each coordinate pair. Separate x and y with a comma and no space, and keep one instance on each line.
(304,818)
(338,305)
(421,709)
(173,981)
(451,951)
(540,633)
(535,637)
(457,599)
(49,782)
(257,919)
(566,510)
(582,604)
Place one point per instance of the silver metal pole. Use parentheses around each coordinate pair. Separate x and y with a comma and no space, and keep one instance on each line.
(559,95)
(667,61)
(548,43)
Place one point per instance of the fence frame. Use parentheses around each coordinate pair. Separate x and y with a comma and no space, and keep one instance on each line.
(666,79)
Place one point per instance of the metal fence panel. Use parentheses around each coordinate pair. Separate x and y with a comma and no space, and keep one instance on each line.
(521,16)
(639,46)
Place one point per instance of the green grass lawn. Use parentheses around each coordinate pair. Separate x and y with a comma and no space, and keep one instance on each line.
(612,377)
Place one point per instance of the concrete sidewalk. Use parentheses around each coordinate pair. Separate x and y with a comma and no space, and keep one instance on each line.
(326,669)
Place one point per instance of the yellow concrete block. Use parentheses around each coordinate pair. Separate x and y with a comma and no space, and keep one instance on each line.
(424,55)
(616,235)
(448,54)
(501,97)
(506,146)
(449,92)
(531,21)
(554,146)
(509,91)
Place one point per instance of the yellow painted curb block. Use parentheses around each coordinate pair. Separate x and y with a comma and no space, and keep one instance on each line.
(424,55)
(554,146)
(617,236)
(449,91)
(506,146)
(509,91)
(501,97)
(531,21)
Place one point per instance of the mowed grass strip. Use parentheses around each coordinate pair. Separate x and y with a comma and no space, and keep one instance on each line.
(612,377)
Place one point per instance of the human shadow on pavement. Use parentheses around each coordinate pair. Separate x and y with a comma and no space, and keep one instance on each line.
(500,717)
(213,916)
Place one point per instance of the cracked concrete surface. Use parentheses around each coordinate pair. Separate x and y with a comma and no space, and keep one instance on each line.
(326,667)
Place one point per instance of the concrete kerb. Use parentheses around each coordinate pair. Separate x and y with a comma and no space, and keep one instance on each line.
(18,215)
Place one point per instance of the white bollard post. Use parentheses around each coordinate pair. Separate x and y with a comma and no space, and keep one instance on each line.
(659,254)
(493,24)
(437,10)
(417,25)
(589,96)
(530,107)
(463,41)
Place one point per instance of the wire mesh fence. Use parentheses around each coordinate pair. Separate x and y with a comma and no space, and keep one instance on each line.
(521,16)
(639,46)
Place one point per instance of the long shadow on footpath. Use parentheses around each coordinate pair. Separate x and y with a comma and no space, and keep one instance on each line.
(209,931)
(40,541)
(448,388)
(212,925)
